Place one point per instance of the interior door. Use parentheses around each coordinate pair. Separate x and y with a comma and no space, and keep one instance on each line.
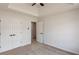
(0,33)
(11,33)
(40,30)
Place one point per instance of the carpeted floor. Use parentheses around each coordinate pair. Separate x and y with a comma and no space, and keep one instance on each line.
(36,49)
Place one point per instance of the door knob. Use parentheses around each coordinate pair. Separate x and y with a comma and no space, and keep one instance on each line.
(12,34)
(41,33)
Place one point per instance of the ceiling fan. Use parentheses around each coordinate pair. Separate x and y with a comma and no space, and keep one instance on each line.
(42,4)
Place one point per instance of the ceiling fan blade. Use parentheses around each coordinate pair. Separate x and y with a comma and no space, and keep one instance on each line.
(41,4)
(33,4)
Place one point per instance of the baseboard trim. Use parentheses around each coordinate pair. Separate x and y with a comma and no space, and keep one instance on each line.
(1,53)
(61,49)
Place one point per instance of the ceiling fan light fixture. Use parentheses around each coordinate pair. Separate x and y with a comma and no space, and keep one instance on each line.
(38,3)
(41,4)
(33,4)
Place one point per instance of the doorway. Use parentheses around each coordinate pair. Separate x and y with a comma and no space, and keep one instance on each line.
(33,32)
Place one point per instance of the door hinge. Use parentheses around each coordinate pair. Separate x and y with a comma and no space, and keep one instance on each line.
(0,33)
(0,46)
(0,20)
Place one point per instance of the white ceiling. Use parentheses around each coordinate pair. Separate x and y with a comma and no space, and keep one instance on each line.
(3,5)
(25,8)
(55,8)
(37,10)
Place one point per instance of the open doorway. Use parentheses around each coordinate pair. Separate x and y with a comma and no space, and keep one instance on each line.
(33,33)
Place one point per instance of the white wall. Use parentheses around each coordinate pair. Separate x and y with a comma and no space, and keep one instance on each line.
(62,30)
(13,22)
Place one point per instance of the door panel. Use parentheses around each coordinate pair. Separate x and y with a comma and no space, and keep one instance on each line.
(6,32)
(40,32)
(12,33)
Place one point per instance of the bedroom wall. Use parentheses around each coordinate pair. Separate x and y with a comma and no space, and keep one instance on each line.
(62,30)
(13,22)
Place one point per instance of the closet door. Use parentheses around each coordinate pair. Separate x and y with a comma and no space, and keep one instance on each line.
(6,34)
(12,35)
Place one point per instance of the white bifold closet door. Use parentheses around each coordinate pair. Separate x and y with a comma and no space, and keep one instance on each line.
(12,33)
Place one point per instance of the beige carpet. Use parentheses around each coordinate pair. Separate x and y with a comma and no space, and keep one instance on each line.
(36,49)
